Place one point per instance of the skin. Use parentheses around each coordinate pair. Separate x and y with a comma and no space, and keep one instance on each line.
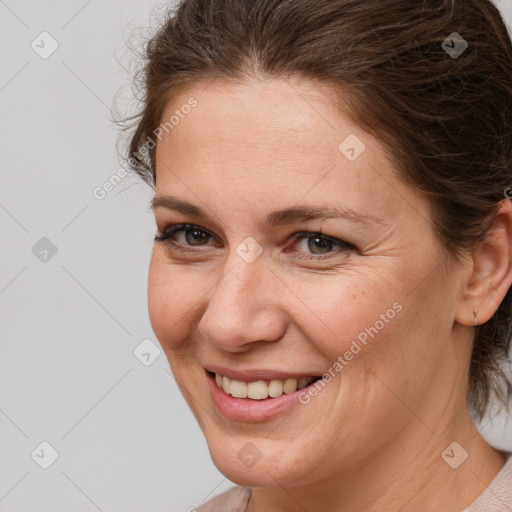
(372,438)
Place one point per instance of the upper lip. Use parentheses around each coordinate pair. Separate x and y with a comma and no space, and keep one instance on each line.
(254,374)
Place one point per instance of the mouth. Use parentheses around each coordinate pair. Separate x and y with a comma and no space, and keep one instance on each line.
(262,389)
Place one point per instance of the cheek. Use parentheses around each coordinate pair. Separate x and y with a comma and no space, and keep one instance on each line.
(370,331)
(346,313)
(172,295)
(391,343)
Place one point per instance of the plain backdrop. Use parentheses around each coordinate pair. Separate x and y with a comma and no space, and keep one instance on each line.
(85,424)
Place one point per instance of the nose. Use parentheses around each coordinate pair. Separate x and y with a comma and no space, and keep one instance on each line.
(244,307)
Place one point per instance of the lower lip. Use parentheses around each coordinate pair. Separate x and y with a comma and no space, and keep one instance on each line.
(247,409)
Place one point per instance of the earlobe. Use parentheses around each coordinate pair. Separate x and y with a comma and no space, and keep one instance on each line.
(491,274)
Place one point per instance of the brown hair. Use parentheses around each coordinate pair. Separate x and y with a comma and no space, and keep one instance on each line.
(444,119)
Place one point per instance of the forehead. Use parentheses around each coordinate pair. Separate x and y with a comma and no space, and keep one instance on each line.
(280,141)
(279,118)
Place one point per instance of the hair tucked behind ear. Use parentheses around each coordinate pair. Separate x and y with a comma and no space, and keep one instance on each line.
(445,121)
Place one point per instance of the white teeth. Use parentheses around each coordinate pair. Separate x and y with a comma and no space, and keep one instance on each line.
(226,384)
(238,389)
(257,390)
(275,388)
(261,389)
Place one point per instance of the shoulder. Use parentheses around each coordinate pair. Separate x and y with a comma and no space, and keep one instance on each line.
(498,496)
(232,500)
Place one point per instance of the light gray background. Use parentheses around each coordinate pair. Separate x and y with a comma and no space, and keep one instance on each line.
(125,438)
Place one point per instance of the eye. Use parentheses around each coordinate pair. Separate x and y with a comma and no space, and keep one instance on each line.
(323,243)
(193,236)
(183,237)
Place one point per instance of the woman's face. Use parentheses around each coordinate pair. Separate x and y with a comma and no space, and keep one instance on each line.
(259,295)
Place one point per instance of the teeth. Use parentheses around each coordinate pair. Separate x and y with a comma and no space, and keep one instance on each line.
(290,386)
(226,385)
(275,388)
(238,388)
(257,390)
(261,389)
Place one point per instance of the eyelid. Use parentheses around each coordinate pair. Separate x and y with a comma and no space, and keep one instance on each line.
(311,234)
(170,230)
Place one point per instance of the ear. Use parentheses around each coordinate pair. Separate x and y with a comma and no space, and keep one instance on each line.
(491,275)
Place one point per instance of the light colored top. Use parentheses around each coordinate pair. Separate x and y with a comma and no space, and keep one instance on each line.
(233,500)
(496,498)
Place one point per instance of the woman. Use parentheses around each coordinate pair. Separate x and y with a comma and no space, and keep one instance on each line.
(330,277)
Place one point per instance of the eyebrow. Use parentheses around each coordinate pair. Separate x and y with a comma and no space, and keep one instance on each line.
(275,218)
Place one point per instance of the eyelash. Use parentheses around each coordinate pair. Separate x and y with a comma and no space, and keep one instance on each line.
(171,230)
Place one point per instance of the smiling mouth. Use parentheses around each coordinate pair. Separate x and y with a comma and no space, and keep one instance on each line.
(261,389)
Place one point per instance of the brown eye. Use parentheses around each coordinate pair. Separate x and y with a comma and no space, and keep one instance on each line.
(318,245)
(183,235)
(194,236)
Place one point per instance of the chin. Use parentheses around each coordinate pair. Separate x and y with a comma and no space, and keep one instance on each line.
(246,467)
